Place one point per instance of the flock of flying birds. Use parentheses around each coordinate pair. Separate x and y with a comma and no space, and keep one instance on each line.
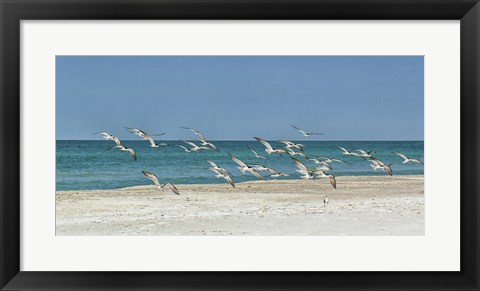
(289,148)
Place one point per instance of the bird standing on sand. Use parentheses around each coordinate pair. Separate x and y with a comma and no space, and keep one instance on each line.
(407,159)
(243,167)
(125,149)
(325,200)
(155,180)
(268,147)
(146,136)
(305,133)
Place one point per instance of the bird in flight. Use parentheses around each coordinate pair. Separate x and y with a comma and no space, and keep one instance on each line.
(268,147)
(305,133)
(377,164)
(125,149)
(302,169)
(349,153)
(194,148)
(324,163)
(217,168)
(223,175)
(407,159)
(146,136)
(365,154)
(276,174)
(243,167)
(155,180)
(204,141)
(291,144)
(331,160)
(257,155)
(108,136)
(331,178)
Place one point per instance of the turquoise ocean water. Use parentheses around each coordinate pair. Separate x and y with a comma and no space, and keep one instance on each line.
(83,165)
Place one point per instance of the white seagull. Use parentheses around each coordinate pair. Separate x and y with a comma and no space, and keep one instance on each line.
(155,180)
(220,169)
(275,173)
(407,159)
(196,148)
(223,175)
(257,155)
(305,133)
(125,149)
(291,144)
(108,136)
(268,147)
(202,138)
(331,160)
(302,169)
(326,164)
(331,178)
(349,153)
(291,152)
(245,168)
(377,164)
(146,136)
(184,148)
(365,154)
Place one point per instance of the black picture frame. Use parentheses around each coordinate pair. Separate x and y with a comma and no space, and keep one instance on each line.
(13,11)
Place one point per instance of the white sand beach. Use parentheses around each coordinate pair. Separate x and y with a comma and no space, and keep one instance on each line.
(370,205)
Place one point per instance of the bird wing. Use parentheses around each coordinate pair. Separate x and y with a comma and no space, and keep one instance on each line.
(286,142)
(230,180)
(299,129)
(264,142)
(196,132)
(343,149)
(150,139)
(362,152)
(172,187)
(401,155)
(238,161)
(152,177)
(132,152)
(388,169)
(332,180)
(115,139)
(190,143)
(212,163)
(215,170)
(256,174)
(303,169)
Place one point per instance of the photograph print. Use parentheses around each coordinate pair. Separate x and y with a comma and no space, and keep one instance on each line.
(240,145)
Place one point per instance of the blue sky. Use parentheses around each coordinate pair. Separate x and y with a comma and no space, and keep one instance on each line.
(238,97)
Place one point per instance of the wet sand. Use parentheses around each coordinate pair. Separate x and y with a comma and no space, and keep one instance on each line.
(371,205)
